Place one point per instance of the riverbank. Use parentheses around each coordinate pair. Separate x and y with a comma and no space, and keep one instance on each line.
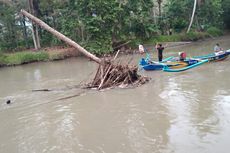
(30,56)
(60,53)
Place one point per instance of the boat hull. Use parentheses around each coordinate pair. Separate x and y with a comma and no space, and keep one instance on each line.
(169,69)
(172,64)
(214,57)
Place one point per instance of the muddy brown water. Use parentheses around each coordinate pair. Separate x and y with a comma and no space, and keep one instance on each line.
(186,112)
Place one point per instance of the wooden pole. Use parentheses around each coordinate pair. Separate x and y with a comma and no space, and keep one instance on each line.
(61,36)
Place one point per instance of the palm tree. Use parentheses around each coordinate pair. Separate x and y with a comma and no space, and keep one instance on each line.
(33,7)
(192,17)
(159,2)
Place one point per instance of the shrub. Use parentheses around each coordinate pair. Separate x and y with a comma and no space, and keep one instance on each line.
(98,48)
(193,36)
(213,31)
(55,55)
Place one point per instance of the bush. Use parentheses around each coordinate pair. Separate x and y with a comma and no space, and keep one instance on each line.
(55,55)
(213,31)
(193,36)
(99,48)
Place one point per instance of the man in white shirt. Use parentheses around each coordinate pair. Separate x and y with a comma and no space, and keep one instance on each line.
(217,48)
(141,49)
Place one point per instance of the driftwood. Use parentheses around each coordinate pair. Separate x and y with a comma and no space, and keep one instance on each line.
(109,74)
(41,90)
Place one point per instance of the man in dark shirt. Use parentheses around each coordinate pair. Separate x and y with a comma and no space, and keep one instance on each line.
(160,49)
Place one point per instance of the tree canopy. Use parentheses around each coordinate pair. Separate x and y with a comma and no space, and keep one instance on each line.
(98,25)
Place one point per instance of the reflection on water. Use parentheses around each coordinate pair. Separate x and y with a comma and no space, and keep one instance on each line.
(174,112)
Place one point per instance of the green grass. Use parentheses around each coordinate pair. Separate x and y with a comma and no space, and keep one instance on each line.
(25,57)
(22,58)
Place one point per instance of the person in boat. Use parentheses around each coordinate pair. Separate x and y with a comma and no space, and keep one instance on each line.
(217,48)
(182,56)
(160,48)
(141,49)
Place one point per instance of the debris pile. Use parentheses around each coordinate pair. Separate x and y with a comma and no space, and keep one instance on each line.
(110,75)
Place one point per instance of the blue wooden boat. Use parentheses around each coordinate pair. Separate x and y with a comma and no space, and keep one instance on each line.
(172,64)
(214,57)
(151,65)
(173,69)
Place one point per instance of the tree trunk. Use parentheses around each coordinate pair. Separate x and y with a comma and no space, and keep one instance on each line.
(159,8)
(25,35)
(32,29)
(160,15)
(61,36)
(35,12)
(34,38)
(192,17)
(154,15)
(37,37)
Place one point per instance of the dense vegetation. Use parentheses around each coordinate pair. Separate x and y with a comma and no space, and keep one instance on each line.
(101,25)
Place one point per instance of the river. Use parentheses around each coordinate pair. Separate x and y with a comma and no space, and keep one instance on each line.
(185,112)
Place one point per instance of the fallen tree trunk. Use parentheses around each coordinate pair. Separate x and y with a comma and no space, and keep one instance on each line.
(61,36)
(109,74)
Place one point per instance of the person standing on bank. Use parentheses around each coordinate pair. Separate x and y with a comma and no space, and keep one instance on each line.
(160,49)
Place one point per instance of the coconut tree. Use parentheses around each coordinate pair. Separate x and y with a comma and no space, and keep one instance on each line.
(192,17)
(159,2)
(34,9)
